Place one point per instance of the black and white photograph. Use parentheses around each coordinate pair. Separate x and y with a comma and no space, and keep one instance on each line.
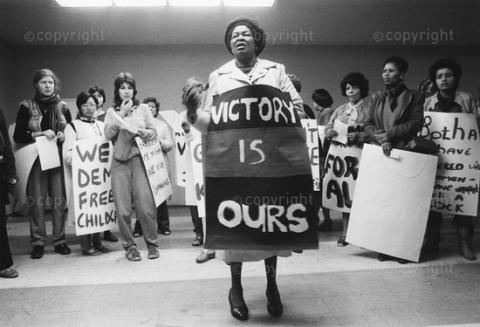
(170,163)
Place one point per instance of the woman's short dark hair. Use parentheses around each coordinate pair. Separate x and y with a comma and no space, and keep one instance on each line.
(119,80)
(357,80)
(322,98)
(44,72)
(95,89)
(82,98)
(449,63)
(399,62)
(154,100)
(257,33)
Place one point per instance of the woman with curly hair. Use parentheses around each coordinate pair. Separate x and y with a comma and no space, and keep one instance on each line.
(354,86)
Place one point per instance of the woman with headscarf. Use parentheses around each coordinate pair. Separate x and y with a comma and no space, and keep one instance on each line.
(45,115)
(130,185)
(445,74)
(85,127)
(245,40)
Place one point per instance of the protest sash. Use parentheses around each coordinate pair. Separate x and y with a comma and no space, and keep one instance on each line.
(457,182)
(257,173)
(392,201)
(341,172)
(156,169)
(93,203)
(311,131)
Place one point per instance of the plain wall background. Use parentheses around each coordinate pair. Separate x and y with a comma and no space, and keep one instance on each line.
(161,71)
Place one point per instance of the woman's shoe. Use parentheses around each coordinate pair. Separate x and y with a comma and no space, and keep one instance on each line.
(383,257)
(274,303)
(198,240)
(239,312)
(8,273)
(341,242)
(90,252)
(153,252)
(132,254)
(37,252)
(205,256)
(102,248)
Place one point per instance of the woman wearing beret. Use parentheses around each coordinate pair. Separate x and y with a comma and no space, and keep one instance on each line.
(45,115)
(446,73)
(245,40)
(8,178)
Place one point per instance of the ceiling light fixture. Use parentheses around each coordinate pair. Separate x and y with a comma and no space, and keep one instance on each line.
(248,3)
(84,3)
(140,3)
(195,3)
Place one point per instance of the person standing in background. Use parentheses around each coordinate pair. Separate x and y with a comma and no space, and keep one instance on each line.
(166,142)
(85,127)
(45,115)
(123,122)
(395,115)
(322,102)
(446,74)
(8,178)
(193,96)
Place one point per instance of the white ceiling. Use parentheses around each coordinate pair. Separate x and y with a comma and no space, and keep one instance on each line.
(323,22)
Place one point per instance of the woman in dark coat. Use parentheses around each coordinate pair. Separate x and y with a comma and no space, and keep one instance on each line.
(395,115)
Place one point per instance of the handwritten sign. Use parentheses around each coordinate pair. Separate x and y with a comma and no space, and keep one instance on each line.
(311,131)
(48,152)
(156,169)
(93,204)
(456,186)
(257,173)
(392,201)
(341,173)
(195,190)
(173,119)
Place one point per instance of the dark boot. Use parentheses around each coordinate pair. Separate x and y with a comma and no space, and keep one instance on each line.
(465,242)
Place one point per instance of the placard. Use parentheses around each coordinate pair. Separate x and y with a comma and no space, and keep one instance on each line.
(93,203)
(156,169)
(392,202)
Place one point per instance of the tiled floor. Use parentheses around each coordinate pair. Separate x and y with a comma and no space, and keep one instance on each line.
(327,287)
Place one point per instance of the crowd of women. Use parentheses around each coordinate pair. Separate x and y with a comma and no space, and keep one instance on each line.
(390,118)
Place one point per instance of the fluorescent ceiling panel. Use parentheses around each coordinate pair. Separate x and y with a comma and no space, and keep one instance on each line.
(140,3)
(84,3)
(248,3)
(195,3)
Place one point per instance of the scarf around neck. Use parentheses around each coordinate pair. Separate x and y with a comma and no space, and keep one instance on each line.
(393,93)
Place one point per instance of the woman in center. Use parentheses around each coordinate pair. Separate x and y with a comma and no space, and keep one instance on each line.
(245,40)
